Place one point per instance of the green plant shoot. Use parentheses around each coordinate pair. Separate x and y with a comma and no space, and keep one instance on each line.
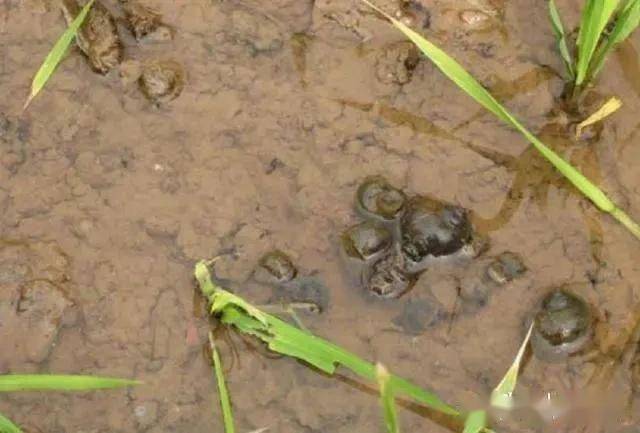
(6,426)
(225,403)
(46,382)
(456,73)
(56,54)
(561,36)
(387,399)
(283,338)
(595,16)
(502,395)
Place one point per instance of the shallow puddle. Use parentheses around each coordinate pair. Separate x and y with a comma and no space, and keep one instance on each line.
(257,138)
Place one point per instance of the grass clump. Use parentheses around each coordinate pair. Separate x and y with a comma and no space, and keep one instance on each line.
(48,382)
(603,25)
(465,81)
(56,54)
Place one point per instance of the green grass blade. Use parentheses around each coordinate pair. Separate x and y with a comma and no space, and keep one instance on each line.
(456,73)
(502,395)
(561,37)
(49,382)
(56,54)
(225,403)
(6,426)
(626,22)
(595,17)
(476,422)
(387,399)
(289,340)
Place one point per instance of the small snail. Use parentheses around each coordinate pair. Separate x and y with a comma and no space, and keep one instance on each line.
(563,326)
(366,241)
(162,81)
(275,267)
(387,278)
(378,200)
(432,229)
(144,22)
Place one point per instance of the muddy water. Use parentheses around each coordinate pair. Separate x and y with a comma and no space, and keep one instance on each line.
(108,200)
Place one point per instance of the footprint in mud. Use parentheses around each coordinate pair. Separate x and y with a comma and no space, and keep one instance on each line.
(403,237)
(159,80)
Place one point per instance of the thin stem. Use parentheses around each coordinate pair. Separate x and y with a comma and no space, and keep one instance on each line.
(626,221)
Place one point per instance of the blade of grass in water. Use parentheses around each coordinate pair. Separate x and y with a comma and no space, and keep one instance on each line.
(56,54)
(387,399)
(502,395)
(607,109)
(225,403)
(455,72)
(476,422)
(595,16)
(561,36)
(6,426)
(626,22)
(41,382)
(288,340)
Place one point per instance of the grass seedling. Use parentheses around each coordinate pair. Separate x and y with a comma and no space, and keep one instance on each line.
(463,79)
(476,422)
(603,25)
(56,54)
(387,399)
(47,382)
(502,395)
(225,402)
(286,339)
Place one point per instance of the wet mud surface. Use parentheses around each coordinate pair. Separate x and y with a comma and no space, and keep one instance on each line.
(107,199)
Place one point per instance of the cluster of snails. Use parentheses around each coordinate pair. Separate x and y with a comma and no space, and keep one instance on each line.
(402,236)
(98,38)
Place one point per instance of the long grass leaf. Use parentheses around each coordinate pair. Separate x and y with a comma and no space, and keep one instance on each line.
(225,402)
(387,399)
(561,37)
(476,422)
(607,109)
(456,73)
(502,395)
(626,22)
(595,17)
(289,340)
(41,382)
(6,426)
(57,53)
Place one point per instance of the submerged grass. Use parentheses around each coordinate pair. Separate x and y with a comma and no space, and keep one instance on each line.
(225,402)
(463,79)
(49,382)
(56,54)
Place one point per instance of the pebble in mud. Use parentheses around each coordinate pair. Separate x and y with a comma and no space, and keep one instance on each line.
(396,63)
(98,36)
(145,23)
(475,20)
(162,81)
(563,326)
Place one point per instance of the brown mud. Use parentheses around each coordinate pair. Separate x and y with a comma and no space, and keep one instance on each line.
(107,201)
